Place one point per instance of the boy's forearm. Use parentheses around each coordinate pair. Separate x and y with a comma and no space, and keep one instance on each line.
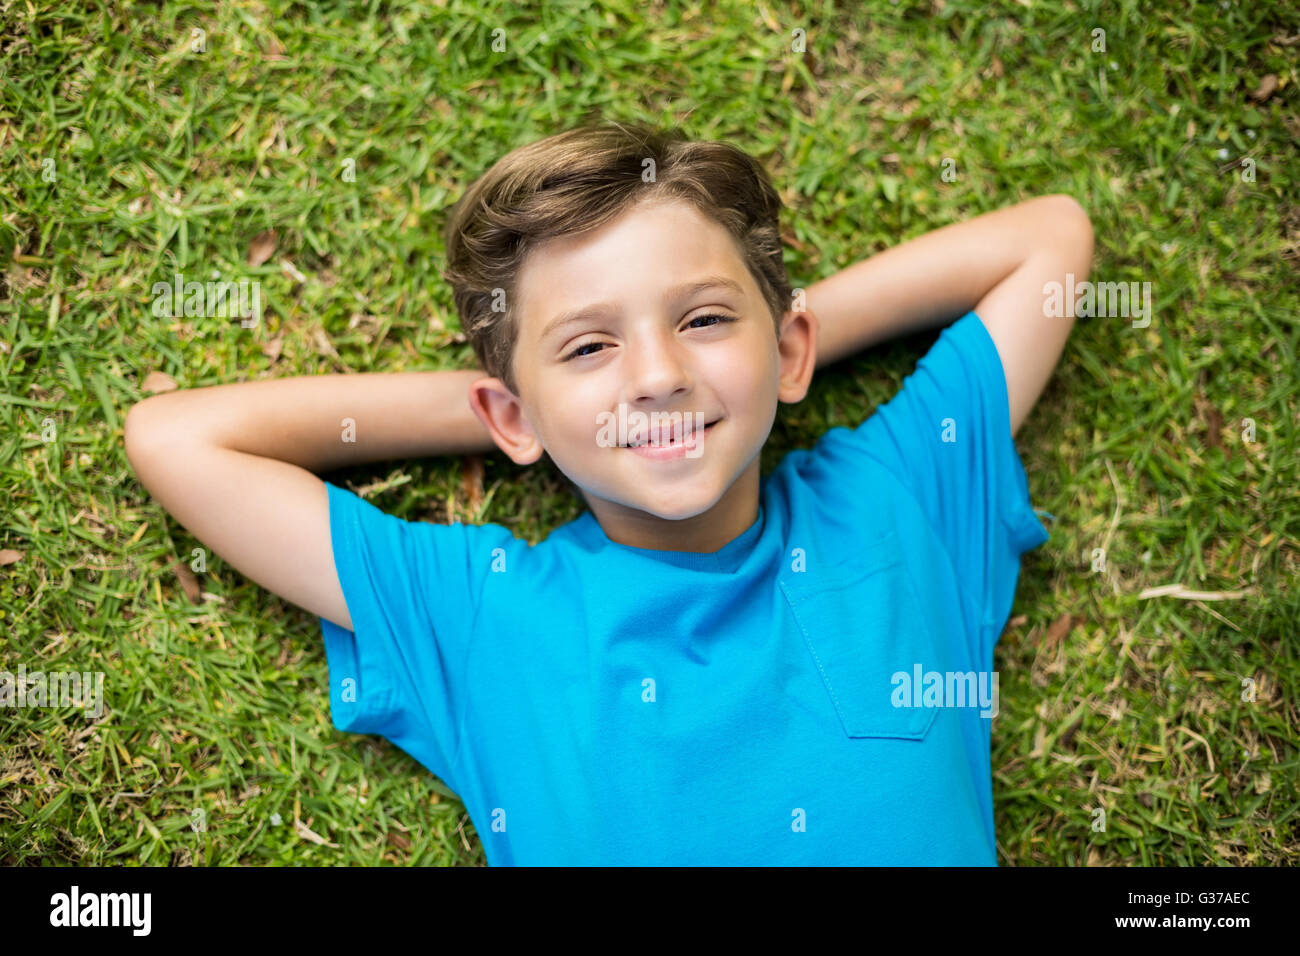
(322,422)
(933,278)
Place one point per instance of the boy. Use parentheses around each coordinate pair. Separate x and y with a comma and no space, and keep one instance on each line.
(708,666)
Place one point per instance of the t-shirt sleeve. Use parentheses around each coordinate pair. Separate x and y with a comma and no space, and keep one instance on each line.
(411,589)
(947,437)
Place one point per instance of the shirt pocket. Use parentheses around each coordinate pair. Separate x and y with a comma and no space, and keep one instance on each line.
(862,624)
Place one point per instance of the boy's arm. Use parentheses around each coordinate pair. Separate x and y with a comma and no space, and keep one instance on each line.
(234,463)
(996,264)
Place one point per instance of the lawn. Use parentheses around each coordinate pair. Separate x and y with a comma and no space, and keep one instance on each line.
(315,148)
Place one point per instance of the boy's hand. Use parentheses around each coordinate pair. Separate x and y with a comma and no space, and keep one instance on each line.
(996,264)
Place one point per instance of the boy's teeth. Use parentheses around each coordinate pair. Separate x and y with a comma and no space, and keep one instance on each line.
(668,438)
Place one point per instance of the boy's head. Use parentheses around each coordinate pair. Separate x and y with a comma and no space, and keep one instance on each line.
(611,270)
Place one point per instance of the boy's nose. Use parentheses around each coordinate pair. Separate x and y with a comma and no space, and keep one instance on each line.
(656,367)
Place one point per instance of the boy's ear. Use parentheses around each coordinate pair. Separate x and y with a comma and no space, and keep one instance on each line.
(797,346)
(503,415)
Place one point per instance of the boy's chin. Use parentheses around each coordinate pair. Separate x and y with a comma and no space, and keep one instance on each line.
(679,508)
(695,501)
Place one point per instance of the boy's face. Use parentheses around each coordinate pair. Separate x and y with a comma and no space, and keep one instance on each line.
(654,312)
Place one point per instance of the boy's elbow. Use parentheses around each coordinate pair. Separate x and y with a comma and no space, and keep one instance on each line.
(138,433)
(1072,225)
(1073,219)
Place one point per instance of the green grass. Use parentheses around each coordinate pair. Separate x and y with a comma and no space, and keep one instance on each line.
(172,160)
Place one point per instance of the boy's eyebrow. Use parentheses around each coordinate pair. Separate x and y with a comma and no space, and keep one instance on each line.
(682,291)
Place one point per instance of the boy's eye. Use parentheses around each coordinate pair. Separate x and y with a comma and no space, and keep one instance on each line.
(580,353)
(721,318)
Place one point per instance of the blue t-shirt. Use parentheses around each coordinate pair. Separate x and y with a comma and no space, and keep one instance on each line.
(596,703)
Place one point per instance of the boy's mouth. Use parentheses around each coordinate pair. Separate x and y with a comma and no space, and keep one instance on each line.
(668,438)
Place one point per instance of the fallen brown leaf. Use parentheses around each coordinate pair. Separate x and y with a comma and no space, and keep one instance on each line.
(10,556)
(1213,426)
(1266,88)
(189,582)
(472,481)
(261,248)
(1060,627)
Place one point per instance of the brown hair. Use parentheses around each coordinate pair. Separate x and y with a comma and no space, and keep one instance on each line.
(579,179)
